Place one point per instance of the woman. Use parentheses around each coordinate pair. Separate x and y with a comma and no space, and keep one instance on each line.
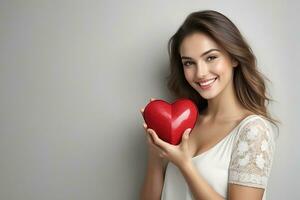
(229,153)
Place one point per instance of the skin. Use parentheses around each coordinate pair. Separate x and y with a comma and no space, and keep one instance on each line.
(223,113)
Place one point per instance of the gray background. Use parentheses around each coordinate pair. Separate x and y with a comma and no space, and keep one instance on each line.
(74,74)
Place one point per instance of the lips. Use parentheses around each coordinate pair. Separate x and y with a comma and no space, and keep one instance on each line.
(207,81)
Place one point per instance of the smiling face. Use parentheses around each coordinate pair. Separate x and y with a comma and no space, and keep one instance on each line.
(207,67)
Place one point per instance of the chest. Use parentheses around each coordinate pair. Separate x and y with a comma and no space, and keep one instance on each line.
(206,135)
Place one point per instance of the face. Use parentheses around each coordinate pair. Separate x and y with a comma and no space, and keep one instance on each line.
(207,67)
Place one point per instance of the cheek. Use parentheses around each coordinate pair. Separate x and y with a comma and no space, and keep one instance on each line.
(188,73)
(222,68)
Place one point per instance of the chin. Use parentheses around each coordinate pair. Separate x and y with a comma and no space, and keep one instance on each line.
(207,96)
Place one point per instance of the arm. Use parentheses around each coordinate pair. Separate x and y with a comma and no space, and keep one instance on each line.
(236,192)
(154,179)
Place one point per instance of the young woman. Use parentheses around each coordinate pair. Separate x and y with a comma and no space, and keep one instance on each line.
(229,153)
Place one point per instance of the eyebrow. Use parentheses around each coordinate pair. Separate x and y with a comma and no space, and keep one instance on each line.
(185,57)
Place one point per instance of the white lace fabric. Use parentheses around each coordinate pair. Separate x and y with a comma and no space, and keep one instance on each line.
(252,155)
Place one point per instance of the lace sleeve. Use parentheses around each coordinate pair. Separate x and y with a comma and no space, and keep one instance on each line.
(252,155)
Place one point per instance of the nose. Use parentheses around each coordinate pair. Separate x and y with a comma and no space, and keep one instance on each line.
(202,70)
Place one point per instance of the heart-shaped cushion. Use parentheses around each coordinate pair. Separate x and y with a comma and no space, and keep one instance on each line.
(169,121)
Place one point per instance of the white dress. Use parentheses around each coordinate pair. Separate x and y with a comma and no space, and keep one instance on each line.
(244,157)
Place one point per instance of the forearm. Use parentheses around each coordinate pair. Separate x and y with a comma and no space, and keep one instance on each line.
(153,182)
(199,187)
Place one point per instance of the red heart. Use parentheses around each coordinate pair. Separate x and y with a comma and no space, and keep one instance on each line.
(169,121)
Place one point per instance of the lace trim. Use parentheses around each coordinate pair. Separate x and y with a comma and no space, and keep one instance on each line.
(248,179)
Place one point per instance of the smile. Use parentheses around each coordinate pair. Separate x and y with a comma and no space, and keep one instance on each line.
(206,85)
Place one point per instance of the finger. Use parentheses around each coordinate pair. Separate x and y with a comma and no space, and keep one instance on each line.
(145,129)
(149,139)
(151,142)
(157,148)
(145,125)
(152,99)
(148,131)
(186,133)
(162,155)
(185,137)
(142,110)
(159,142)
(149,135)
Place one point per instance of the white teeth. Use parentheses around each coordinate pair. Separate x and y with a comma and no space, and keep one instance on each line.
(207,82)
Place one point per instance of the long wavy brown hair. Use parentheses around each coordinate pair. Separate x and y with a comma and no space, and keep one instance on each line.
(249,82)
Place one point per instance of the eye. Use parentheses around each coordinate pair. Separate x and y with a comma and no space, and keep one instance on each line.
(210,58)
(186,63)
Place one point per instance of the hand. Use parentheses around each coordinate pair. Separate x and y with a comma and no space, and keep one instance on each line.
(177,154)
(153,150)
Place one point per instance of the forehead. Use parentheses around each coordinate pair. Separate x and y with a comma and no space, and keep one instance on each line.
(196,44)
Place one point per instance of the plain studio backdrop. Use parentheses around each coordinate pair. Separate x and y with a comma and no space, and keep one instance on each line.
(74,75)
